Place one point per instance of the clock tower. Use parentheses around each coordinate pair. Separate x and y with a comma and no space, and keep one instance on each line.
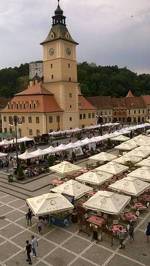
(60,69)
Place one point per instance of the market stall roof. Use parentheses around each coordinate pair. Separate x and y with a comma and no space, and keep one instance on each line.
(127,146)
(130,185)
(25,156)
(128,158)
(103,157)
(142,173)
(3,154)
(49,203)
(107,202)
(145,162)
(65,168)
(4,142)
(94,178)
(139,153)
(72,188)
(112,167)
(120,138)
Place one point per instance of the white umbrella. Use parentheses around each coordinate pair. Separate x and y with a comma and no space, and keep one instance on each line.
(72,188)
(103,157)
(37,153)
(107,202)
(120,138)
(128,158)
(127,146)
(3,154)
(65,168)
(49,203)
(145,162)
(142,173)
(113,168)
(139,153)
(130,185)
(94,178)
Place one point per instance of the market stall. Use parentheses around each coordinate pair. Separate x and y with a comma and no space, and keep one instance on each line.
(65,168)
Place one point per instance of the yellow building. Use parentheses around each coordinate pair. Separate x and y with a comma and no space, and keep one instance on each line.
(57,103)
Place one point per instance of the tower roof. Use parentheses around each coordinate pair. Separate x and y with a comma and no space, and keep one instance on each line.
(59,29)
(130,94)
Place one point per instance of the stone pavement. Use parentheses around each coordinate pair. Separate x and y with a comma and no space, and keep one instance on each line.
(63,246)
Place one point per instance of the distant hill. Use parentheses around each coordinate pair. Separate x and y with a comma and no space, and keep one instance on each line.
(94,80)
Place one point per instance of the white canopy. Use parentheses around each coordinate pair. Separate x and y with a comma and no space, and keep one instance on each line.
(112,167)
(120,138)
(72,188)
(103,157)
(4,142)
(139,153)
(127,146)
(65,168)
(130,185)
(107,202)
(145,162)
(94,178)
(3,154)
(142,173)
(49,203)
(128,158)
(24,156)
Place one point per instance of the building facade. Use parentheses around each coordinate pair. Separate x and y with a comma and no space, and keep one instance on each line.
(126,110)
(55,103)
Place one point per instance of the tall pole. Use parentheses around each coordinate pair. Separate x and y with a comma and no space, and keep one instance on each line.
(16,135)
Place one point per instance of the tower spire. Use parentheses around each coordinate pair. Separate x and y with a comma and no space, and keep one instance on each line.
(59,18)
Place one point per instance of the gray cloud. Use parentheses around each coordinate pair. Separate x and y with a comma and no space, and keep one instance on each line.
(110,32)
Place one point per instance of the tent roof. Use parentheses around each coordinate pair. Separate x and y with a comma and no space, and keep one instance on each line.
(65,168)
(130,185)
(103,156)
(127,146)
(142,173)
(49,203)
(128,158)
(145,162)
(113,168)
(107,202)
(120,138)
(72,188)
(94,178)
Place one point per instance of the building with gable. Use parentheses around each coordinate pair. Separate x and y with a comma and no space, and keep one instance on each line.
(55,103)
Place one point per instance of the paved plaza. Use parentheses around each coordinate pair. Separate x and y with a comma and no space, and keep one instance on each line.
(64,246)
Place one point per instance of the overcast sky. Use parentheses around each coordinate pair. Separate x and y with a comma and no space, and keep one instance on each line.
(110,32)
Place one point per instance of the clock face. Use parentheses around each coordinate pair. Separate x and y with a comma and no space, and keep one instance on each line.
(51,51)
(68,51)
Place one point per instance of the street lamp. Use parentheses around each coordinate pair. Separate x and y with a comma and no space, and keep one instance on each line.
(15,121)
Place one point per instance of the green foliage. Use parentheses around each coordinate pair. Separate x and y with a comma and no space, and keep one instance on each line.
(20,174)
(51,160)
(94,80)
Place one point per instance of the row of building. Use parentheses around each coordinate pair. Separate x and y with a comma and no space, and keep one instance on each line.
(56,102)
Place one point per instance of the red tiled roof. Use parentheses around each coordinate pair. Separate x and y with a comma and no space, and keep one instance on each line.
(84,104)
(146,99)
(35,89)
(101,102)
(107,102)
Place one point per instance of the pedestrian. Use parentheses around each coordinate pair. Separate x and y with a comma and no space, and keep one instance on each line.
(95,233)
(147,232)
(28,250)
(29,217)
(131,230)
(39,226)
(122,236)
(34,245)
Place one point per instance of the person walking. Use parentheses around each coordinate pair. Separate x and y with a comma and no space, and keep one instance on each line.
(29,217)
(122,236)
(39,226)
(34,245)
(28,250)
(147,232)
(131,230)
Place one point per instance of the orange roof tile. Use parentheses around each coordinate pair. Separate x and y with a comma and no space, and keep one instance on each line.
(84,104)
(35,89)
(146,99)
